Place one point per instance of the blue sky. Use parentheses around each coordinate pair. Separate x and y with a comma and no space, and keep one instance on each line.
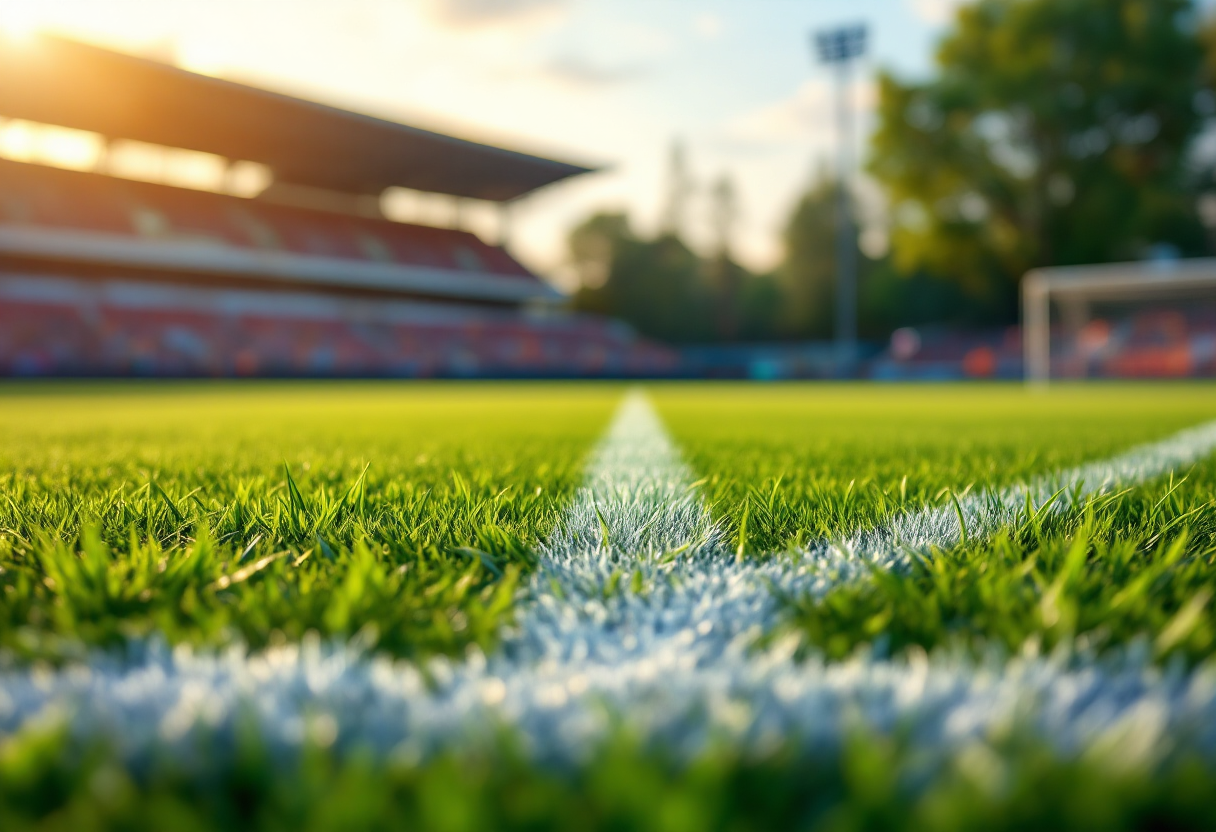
(607,81)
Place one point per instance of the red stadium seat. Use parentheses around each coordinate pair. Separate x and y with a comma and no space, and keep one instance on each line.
(53,198)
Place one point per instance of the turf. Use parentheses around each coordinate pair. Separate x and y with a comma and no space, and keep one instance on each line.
(813,462)
(409,517)
(1135,566)
(621,789)
(208,514)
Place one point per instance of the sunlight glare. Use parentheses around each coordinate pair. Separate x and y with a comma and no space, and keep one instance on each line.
(19,21)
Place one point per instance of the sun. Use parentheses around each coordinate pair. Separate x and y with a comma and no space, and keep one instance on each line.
(19,20)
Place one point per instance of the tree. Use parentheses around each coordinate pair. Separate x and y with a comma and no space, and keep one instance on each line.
(725,277)
(1055,132)
(655,285)
(664,290)
(807,275)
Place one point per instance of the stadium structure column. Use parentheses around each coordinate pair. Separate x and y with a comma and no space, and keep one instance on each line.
(504,224)
(839,48)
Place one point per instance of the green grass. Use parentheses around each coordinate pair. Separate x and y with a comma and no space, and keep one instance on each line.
(875,785)
(812,463)
(1136,566)
(409,514)
(212,513)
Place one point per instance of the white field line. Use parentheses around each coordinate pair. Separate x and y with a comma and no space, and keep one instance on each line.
(673,663)
(987,511)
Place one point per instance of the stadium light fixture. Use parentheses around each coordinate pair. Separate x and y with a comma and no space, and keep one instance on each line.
(842,45)
(840,48)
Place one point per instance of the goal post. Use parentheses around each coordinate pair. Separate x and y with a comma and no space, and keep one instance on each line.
(1101,314)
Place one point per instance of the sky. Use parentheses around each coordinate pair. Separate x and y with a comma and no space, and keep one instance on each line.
(612,83)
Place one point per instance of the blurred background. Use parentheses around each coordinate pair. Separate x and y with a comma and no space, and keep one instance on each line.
(886,189)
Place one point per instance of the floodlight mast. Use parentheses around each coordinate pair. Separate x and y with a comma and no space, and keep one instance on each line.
(839,48)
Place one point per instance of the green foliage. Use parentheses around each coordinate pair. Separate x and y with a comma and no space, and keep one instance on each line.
(805,282)
(807,275)
(760,303)
(1054,132)
(804,285)
(664,289)
(890,299)
(405,515)
(655,285)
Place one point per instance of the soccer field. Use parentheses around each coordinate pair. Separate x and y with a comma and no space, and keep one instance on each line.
(701,606)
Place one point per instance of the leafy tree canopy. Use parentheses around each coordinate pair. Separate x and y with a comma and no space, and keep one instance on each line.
(655,285)
(807,276)
(1054,132)
(664,289)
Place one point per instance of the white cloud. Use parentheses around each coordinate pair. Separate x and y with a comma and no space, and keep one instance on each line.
(574,71)
(473,13)
(804,116)
(935,11)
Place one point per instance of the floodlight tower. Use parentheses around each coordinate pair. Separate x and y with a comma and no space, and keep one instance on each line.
(840,48)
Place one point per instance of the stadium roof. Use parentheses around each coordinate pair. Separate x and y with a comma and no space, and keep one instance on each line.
(63,82)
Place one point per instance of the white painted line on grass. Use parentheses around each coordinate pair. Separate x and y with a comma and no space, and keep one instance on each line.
(673,663)
(987,511)
(638,499)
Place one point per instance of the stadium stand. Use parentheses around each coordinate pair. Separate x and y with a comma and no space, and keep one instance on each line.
(63,326)
(44,197)
(107,276)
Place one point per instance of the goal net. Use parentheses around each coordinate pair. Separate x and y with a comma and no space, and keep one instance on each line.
(1155,319)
